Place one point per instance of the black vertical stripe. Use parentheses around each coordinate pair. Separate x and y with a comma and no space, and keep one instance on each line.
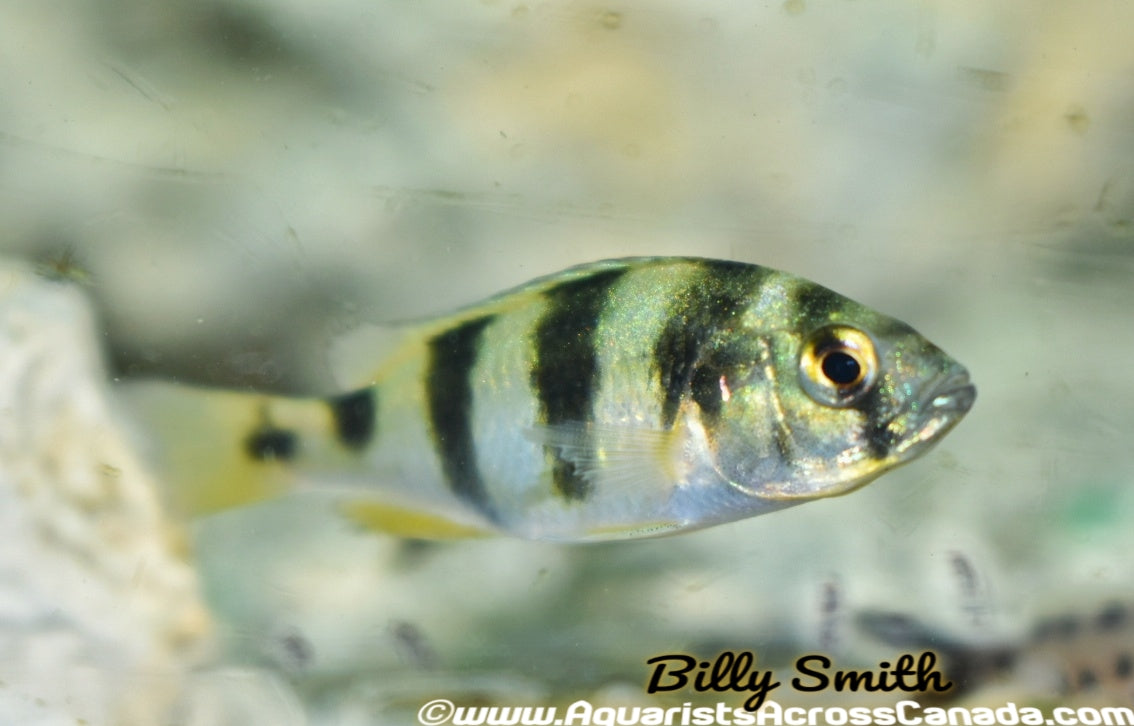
(566,363)
(816,303)
(880,438)
(448,388)
(354,414)
(701,311)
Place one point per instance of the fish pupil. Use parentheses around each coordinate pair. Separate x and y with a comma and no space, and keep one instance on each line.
(841,368)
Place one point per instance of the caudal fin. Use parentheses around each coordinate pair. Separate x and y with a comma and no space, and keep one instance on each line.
(216,450)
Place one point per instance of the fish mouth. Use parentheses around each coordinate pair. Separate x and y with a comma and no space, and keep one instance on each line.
(944,404)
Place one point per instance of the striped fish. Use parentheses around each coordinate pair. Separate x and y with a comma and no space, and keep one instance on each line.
(618,399)
(1067,658)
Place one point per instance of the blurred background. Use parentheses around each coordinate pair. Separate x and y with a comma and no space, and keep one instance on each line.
(233,183)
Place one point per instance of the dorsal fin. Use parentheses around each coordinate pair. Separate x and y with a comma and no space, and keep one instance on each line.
(355,357)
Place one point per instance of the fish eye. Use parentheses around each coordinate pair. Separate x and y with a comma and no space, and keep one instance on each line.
(838,365)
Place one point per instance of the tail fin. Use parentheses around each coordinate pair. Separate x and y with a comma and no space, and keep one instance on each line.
(216,450)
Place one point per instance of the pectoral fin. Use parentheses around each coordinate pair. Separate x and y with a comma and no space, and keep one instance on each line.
(631,457)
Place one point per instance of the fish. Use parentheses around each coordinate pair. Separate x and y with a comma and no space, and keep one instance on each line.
(1081,657)
(619,399)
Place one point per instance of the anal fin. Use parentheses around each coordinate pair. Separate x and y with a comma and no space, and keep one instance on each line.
(402,521)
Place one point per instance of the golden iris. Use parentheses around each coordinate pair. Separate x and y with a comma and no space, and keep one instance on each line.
(838,365)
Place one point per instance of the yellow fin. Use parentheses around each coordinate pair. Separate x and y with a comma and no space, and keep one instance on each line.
(405,522)
(194,438)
